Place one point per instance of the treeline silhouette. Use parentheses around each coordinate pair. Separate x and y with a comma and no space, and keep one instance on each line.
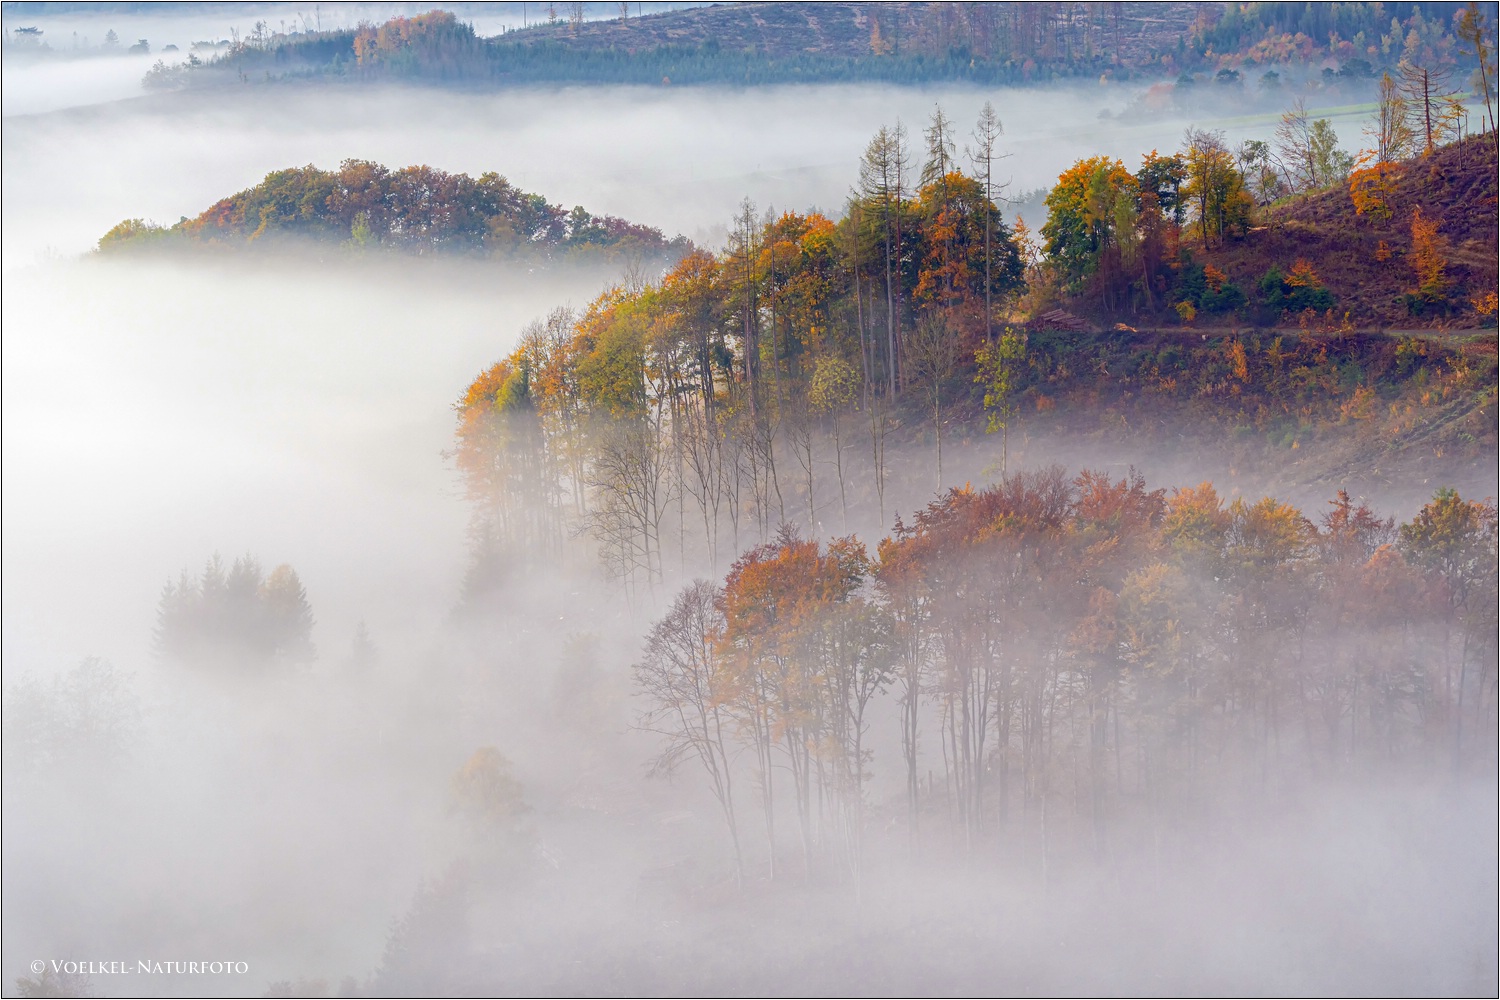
(993,44)
(235,618)
(365,207)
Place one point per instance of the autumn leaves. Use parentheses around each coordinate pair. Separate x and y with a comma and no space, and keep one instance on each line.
(1092,647)
(710,391)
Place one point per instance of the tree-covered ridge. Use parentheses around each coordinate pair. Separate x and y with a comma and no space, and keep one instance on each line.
(1292,231)
(1395,242)
(1030,41)
(1088,647)
(1379,34)
(763,383)
(364,206)
(900,43)
(1266,231)
(800,320)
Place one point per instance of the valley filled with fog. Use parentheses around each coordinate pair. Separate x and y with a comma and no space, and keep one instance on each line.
(215,375)
(299,407)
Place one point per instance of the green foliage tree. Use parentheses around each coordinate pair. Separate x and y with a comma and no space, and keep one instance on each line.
(1301,290)
(1163,177)
(1001,368)
(133,234)
(1080,216)
(1208,289)
(1331,164)
(1215,187)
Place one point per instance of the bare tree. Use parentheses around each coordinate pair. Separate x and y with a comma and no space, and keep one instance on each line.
(1426,92)
(740,268)
(934,358)
(632,490)
(986,133)
(703,449)
(1294,147)
(880,426)
(802,431)
(1390,128)
(882,182)
(683,682)
(1473,30)
(940,149)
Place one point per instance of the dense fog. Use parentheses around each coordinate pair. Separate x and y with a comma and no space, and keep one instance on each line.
(80,71)
(317,822)
(676,159)
(159,332)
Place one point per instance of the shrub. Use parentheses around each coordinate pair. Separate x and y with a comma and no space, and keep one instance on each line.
(1294,293)
(1209,289)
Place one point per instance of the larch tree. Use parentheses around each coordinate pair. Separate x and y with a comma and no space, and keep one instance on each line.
(1475,30)
(937,167)
(1390,128)
(1426,91)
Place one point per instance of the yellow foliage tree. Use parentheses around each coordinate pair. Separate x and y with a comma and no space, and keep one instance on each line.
(1372,188)
(1429,256)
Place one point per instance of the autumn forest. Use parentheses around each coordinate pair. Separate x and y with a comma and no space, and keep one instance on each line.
(770,499)
(1063,643)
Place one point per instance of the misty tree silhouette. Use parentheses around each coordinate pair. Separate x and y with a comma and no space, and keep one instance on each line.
(88,715)
(239,618)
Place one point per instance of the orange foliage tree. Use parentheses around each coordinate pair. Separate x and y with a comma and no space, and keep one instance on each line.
(1429,259)
(1088,647)
(1372,187)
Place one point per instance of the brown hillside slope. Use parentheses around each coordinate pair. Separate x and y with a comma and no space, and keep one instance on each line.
(845,29)
(1456,186)
(1290,414)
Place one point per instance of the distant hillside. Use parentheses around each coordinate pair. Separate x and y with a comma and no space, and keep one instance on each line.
(365,207)
(1027,39)
(1332,45)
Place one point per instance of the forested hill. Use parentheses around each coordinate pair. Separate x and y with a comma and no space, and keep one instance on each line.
(365,207)
(1391,244)
(903,42)
(1163,306)
(1399,245)
(992,43)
